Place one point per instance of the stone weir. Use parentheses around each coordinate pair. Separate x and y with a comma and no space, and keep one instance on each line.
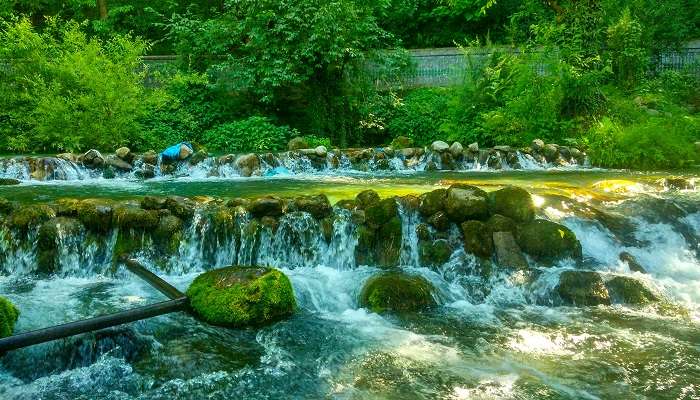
(400,156)
(481,233)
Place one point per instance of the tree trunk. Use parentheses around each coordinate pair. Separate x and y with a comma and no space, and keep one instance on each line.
(102,7)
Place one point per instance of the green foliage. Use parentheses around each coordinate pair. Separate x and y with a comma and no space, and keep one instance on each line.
(64,91)
(315,141)
(253,134)
(422,115)
(8,317)
(625,48)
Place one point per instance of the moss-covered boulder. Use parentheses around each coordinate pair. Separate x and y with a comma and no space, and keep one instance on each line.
(500,223)
(131,217)
(266,206)
(152,203)
(583,288)
(440,221)
(512,202)
(466,202)
(388,246)
(318,206)
(477,239)
(48,239)
(381,212)
(432,202)
(366,198)
(548,242)
(96,215)
(9,182)
(365,249)
(8,317)
(23,218)
(168,234)
(435,252)
(624,289)
(401,142)
(398,292)
(240,296)
(180,207)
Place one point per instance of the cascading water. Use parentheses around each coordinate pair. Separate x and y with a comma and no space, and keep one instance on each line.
(496,333)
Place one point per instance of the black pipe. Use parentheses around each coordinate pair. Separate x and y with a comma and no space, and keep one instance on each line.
(74,328)
(152,279)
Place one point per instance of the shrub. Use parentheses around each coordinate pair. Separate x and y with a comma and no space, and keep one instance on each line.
(253,134)
(315,141)
(423,116)
(625,47)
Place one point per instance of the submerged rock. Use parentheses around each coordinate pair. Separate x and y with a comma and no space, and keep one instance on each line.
(512,202)
(628,290)
(548,242)
(583,288)
(466,202)
(632,262)
(240,296)
(8,317)
(398,292)
(9,182)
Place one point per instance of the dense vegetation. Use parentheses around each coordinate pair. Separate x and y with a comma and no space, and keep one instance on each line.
(250,74)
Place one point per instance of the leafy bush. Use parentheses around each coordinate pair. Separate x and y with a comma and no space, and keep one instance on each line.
(253,134)
(64,91)
(423,116)
(315,141)
(625,47)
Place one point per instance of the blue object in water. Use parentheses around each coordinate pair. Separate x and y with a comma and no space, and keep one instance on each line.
(172,153)
(277,171)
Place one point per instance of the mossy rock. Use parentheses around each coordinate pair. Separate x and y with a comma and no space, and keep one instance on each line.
(366,198)
(500,223)
(364,251)
(168,234)
(432,202)
(437,252)
(48,241)
(131,217)
(241,296)
(8,317)
(548,242)
(267,206)
(389,239)
(439,221)
(152,203)
(346,204)
(398,292)
(512,202)
(9,182)
(26,217)
(423,232)
(466,202)
(583,288)
(96,215)
(477,239)
(381,212)
(624,289)
(401,142)
(180,207)
(318,206)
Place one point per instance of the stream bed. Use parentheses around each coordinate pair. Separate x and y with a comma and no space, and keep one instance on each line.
(502,336)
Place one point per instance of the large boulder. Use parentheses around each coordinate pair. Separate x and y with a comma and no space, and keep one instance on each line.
(118,163)
(321,151)
(551,152)
(125,154)
(466,202)
(180,207)
(318,206)
(24,218)
(388,246)
(548,242)
(266,206)
(248,164)
(93,159)
(477,239)
(150,157)
(432,202)
(457,150)
(131,217)
(508,254)
(8,317)
(440,221)
(366,198)
(537,145)
(96,215)
(624,289)
(437,252)
(297,143)
(48,239)
(439,146)
(398,292)
(499,223)
(382,212)
(168,234)
(583,288)
(241,296)
(512,202)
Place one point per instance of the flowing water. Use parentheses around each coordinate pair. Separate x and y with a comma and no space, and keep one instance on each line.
(505,336)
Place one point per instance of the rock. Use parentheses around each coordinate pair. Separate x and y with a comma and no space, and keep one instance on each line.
(401,142)
(382,212)
(180,207)
(27,217)
(318,206)
(551,152)
(676,183)
(499,223)
(125,154)
(185,151)
(512,202)
(240,296)
(397,292)
(146,171)
(266,206)
(408,152)
(474,147)
(439,146)
(577,155)
(109,172)
(93,159)
(565,153)
(198,157)
(623,289)
(118,163)
(48,239)
(434,253)
(548,242)
(477,239)
(130,217)
(632,262)
(366,244)
(432,202)
(537,145)
(150,157)
(431,166)
(96,215)
(321,151)
(388,246)
(583,288)
(248,164)
(503,149)
(347,204)
(465,202)
(423,232)
(457,150)
(439,221)
(153,203)
(168,234)
(8,317)
(297,143)
(9,182)
(366,198)
(327,229)
(508,254)
(67,157)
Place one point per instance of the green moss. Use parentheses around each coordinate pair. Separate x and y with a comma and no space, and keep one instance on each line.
(96,215)
(129,217)
(628,290)
(432,202)
(48,241)
(548,242)
(512,202)
(240,296)
(389,243)
(168,234)
(381,212)
(25,217)
(364,251)
(8,317)
(366,198)
(434,253)
(396,291)
(318,206)
(583,288)
(477,239)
